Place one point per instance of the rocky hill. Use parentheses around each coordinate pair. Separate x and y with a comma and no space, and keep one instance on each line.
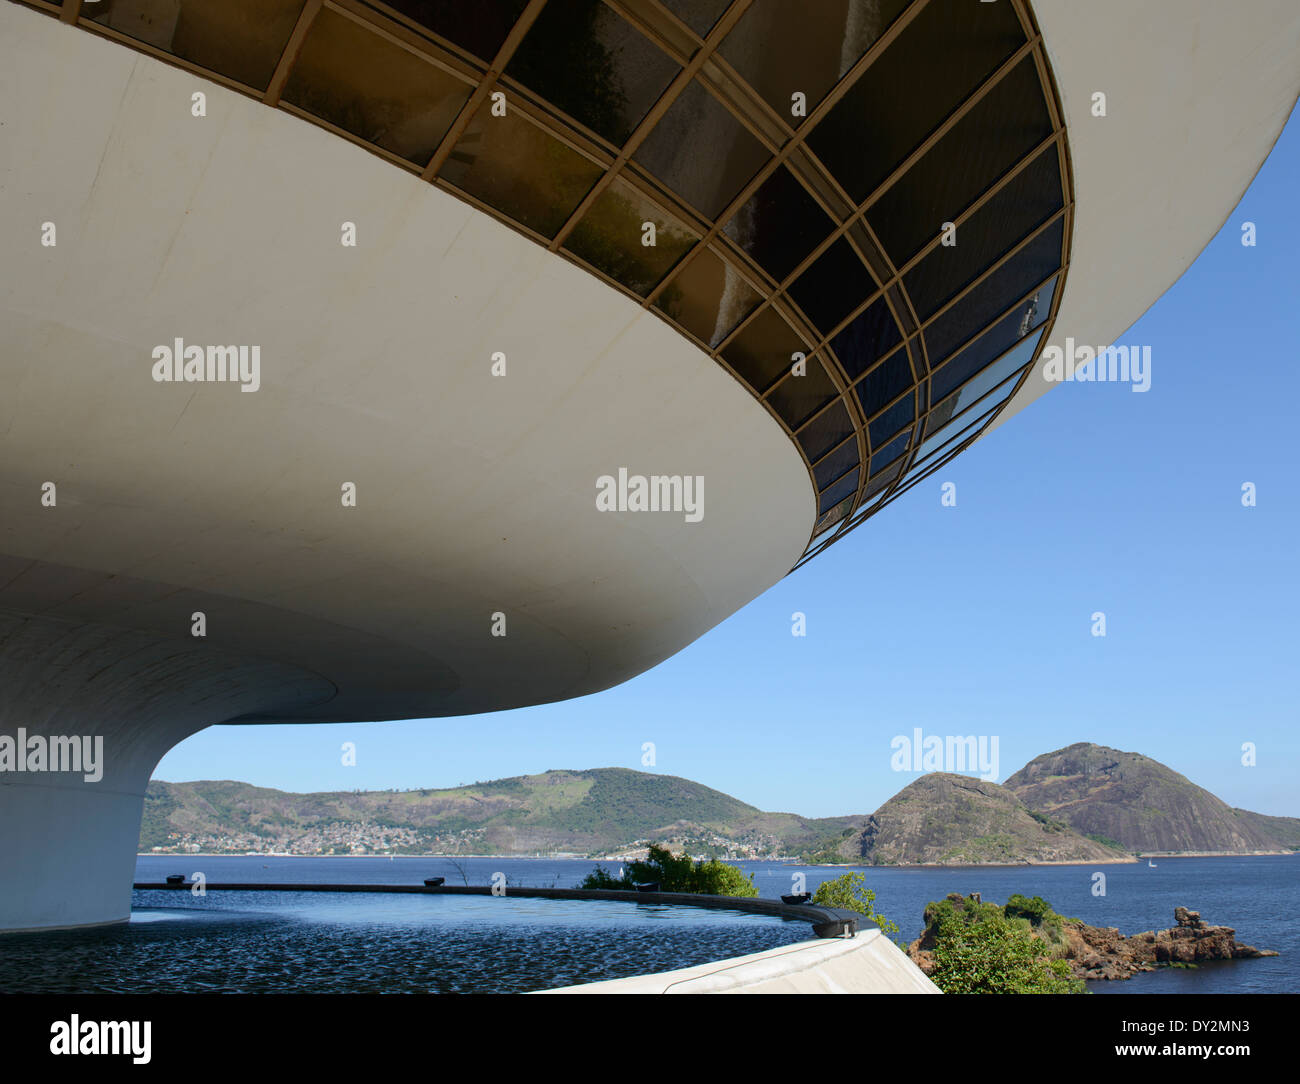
(598,811)
(1135,801)
(945,819)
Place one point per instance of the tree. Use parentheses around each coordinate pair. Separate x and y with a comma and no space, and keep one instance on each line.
(676,873)
(849,892)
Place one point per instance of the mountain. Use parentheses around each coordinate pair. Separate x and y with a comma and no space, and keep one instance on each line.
(1286,830)
(1136,801)
(946,819)
(585,812)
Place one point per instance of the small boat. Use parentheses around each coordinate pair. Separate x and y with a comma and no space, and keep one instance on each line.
(176,878)
(434,882)
(796,899)
(648,886)
(1151,864)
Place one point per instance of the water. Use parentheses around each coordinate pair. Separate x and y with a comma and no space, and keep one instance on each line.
(365,942)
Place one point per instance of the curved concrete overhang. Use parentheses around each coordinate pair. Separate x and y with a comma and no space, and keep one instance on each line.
(475,493)
(1197,92)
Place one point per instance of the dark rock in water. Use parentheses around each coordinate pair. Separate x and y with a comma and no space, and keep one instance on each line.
(1102,952)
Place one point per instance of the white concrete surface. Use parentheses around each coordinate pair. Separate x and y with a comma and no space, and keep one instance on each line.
(866,964)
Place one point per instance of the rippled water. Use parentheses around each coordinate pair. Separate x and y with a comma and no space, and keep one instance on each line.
(304,942)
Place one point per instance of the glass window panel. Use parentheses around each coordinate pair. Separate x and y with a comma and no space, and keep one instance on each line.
(884,383)
(241,39)
(880,479)
(890,452)
(1032,264)
(976,409)
(582,57)
(966,423)
(474,25)
(871,334)
(609,237)
(373,88)
(779,224)
(701,152)
(846,486)
(708,297)
(938,59)
(843,458)
(797,398)
(993,343)
(1001,129)
(1024,204)
(824,432)
(761,351)
(516,168)
(834,516)
(699,15)
(819,43)
(836,284)
(1014,359)
(902,413)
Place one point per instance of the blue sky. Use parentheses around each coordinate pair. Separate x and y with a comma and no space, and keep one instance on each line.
(976,619)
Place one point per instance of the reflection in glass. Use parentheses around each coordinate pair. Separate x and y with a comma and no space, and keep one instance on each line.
(240,39)
(798,398)
(373,88)
(699,15)
(993,343)
(609,236)
(1030,265)
(701,152)
(779,224)
(819,43)
(763,350)
(515,167)
(1015,358)
(708,297)
(582,57)
(845,487)
(474,25)
(936,61)
(1004,126)
(833,516)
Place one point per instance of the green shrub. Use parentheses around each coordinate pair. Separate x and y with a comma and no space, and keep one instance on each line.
(677,873)
(849,891)
(983,949)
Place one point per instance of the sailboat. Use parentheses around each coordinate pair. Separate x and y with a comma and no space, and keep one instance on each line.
(1150,864)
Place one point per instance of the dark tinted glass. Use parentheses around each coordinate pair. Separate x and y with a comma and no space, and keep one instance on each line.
(834,516)
(902,413)
(610,236)
(869,335)
(241,39)
(884,383)
(1023,204)
(890,452)
(824,432)
(1005,126)
(699,15)
(479,26)
(992,344)
(761,351)
(708,297)
(515,167)
(818,43)
(1031,265)
(843,458)
(836,284)
(373,88)
(582,57)
(881,479)
(797,398)
(937,60)
(701,152)
(779,225)
(845,487)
